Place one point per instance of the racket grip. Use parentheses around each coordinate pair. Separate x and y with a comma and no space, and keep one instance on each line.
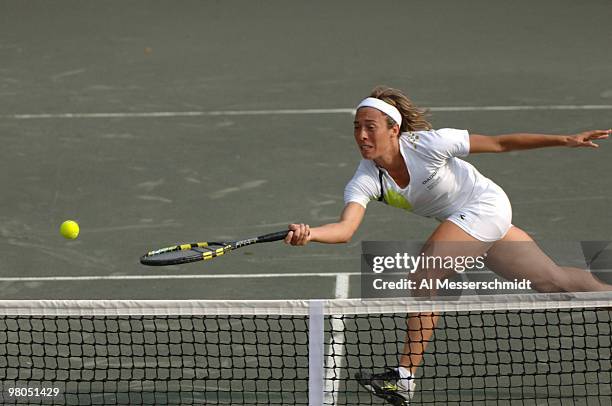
(279,235)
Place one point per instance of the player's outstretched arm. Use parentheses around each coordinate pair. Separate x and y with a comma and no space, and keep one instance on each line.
(519,141)
(332,233)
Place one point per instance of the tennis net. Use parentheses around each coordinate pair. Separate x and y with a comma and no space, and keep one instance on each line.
(503,350)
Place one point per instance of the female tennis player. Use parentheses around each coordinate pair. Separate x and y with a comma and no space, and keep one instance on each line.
(409,165)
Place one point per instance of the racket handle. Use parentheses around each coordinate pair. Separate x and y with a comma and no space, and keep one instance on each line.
(280,235)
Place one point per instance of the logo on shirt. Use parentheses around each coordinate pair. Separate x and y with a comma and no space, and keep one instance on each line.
(462,216)
(432,180)
(433,174)
(413,139)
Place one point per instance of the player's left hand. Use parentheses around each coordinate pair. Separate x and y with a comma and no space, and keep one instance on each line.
(586,138)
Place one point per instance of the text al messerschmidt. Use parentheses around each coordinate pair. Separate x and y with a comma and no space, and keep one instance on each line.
(407,284)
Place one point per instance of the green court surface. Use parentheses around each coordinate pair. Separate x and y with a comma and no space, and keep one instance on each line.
(136,120)
(152,123)
(157,122)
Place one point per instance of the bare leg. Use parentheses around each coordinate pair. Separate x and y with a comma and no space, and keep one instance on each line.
(518,256)
(420,329)
(421,325)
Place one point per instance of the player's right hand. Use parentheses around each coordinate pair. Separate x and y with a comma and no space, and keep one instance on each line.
(299,234)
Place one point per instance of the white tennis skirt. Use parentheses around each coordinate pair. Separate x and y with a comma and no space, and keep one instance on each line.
(488,217)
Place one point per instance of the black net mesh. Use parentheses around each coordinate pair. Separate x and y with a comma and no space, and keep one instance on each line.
(505,357)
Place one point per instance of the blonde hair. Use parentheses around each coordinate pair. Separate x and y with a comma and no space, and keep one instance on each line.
(413,117)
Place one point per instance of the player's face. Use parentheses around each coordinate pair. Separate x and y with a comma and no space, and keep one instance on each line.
(372,133)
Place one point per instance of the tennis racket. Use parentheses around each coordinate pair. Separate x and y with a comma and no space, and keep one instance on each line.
(198,251)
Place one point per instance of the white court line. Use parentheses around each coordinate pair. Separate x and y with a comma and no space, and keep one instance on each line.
(342,277)
(178,276)
(171,114)
(522,107)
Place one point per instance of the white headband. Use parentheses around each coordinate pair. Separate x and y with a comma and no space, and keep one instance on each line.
(383,106)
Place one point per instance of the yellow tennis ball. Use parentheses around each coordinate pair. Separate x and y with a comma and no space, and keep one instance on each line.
(69,229)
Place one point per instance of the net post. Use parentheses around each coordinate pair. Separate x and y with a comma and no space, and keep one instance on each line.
(316,331)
